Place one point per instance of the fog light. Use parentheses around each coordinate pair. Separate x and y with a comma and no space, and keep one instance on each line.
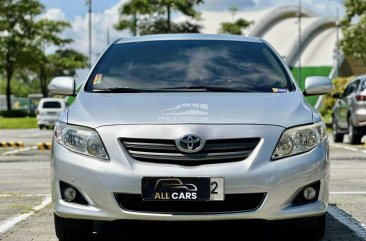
(69,194)
(309,193)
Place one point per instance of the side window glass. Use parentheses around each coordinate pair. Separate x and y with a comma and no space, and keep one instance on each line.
(363,85)
(357,84)
(346,91)
(353,88)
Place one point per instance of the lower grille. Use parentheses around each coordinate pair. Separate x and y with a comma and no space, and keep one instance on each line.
(214,151)
(232,203)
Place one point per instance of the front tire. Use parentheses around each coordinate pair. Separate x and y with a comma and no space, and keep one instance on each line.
(337,137)
(73,229)
(353,134)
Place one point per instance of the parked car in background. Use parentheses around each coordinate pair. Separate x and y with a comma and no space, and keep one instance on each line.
(189,128)
(48,111)
(349,112)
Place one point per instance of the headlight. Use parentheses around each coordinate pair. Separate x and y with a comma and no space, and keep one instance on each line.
(299,139)
(80,139)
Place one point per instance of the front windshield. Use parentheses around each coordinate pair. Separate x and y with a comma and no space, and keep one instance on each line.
(170,64)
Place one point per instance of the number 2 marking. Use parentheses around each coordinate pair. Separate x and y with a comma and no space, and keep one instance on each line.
(215,185)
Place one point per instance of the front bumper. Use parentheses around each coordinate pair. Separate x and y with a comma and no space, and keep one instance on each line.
(47,120)
(99,180)
(359,117)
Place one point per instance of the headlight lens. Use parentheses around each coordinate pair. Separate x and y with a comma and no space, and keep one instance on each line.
(299,139)
(80,139)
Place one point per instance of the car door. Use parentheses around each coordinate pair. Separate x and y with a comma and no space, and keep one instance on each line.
(345,103)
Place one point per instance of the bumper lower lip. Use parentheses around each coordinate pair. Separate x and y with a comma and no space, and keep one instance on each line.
(281,181)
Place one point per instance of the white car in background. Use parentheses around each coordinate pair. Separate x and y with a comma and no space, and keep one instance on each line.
(48,111)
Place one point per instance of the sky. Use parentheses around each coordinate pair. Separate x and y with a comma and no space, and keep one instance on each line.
(105,15)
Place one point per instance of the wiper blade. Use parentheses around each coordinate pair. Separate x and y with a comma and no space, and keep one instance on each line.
(172,89)
(120,90)
(205,89)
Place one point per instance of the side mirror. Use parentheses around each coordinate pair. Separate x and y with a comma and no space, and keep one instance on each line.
(317,85)
(337,96)
(62,85)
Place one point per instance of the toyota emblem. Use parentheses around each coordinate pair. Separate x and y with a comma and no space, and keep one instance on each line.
(190,143)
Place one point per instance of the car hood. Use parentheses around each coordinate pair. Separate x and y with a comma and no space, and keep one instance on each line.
(100,109)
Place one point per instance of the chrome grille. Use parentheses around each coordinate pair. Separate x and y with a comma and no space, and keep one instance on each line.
(165,151)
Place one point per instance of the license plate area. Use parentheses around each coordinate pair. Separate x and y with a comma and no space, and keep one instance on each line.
(182,188)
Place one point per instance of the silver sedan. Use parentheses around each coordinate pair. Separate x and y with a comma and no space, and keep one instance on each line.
(189,128)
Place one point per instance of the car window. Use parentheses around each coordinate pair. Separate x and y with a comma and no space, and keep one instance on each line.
(363,85)
(351,88)
(51,104)
(346,91)
(357,84)
(249,66)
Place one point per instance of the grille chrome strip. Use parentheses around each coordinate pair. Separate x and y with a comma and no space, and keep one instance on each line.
(152,146)
(187,156)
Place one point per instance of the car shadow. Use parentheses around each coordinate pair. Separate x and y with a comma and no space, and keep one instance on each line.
(224,230)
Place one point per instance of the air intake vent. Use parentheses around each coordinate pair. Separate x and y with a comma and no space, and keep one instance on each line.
(232,203)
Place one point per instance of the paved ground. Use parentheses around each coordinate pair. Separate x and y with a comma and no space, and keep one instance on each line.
(348,182)
(24,184)
(28,136)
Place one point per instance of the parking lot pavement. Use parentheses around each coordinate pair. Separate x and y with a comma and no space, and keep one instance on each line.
(37,228)
(40,228)
(23,185)
(348,179)
(28,136)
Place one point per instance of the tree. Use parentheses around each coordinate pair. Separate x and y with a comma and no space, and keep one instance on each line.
(354,29)
(155,16)
(131,13)
(63,62)
(47,35)
(24,36)
(234,27)
(17,27)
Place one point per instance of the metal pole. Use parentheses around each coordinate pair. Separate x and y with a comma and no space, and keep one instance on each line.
(337,46)
(108,36)
(299,47)
(90,33)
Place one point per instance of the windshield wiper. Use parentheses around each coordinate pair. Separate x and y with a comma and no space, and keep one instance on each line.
(120,90)
(204,89)
(172,89)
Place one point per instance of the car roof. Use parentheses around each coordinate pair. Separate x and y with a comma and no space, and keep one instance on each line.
(361,77)
(166,37)
(358,77)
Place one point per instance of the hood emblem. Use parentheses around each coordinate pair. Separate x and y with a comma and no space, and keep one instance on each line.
(190,143)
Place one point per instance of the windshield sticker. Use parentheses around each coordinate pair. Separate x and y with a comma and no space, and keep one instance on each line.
(98,79)
(279,90)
